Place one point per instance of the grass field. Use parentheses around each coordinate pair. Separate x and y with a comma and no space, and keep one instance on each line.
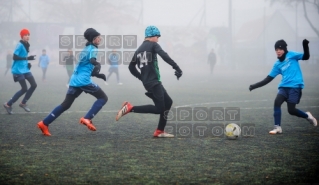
(125,152)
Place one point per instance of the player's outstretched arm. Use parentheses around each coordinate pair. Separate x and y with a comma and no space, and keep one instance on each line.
(167,59)
(158,49)
(261,83)
(16,57)
(305,46)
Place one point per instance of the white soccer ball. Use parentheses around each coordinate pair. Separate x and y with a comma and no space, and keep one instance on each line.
(232,131)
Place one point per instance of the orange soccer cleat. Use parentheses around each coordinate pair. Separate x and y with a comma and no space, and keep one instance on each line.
(44,128)
(88,123)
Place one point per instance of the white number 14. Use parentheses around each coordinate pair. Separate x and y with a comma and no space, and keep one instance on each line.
(142,58)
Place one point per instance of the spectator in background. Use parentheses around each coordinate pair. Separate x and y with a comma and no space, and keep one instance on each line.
(69,64)
(211,60)
(43,63)
(114,66)
(9,61)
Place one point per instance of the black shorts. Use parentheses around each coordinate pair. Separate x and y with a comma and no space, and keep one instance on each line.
(156,92)
(19,77)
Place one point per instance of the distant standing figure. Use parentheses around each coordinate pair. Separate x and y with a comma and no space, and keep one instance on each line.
(9,61)
(43,63)
(69,64)
(114,67)
(211,60)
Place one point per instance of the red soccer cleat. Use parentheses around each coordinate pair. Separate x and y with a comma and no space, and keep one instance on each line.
(126,108)
(160,133)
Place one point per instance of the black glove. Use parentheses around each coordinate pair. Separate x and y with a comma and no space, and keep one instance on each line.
(96,69)
(178,73)
(251,87)
(305,43)
(100,75)
(29,65)
(31,57)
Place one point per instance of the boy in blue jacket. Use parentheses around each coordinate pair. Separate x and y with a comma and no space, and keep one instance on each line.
(44,63)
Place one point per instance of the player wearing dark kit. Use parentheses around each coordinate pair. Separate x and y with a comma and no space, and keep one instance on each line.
(145,58)
(21,72)
(291,85)
(69,64)
(81,81)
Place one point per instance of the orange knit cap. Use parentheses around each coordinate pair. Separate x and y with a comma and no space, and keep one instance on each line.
(24,32)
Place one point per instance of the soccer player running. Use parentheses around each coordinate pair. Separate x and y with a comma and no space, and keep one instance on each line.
(114,67)
(81,81)
(291,84)
(21,72)
(145,58)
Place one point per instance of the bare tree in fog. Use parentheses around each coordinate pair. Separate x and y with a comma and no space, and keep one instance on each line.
(9,13)
(7,10)
(89,11)
(314,3)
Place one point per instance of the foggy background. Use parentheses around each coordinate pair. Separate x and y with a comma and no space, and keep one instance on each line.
(241,32)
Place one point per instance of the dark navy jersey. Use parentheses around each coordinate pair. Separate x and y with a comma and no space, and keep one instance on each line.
(145,59)
(69,60)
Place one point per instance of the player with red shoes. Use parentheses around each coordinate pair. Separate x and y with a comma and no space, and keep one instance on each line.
(145,58)
(81,81)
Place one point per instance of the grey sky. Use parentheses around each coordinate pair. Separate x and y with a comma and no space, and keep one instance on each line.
(169,14)
(181,13)
(173,12)
(186,12)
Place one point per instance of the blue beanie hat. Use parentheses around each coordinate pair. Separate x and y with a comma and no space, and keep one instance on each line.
(152,31)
